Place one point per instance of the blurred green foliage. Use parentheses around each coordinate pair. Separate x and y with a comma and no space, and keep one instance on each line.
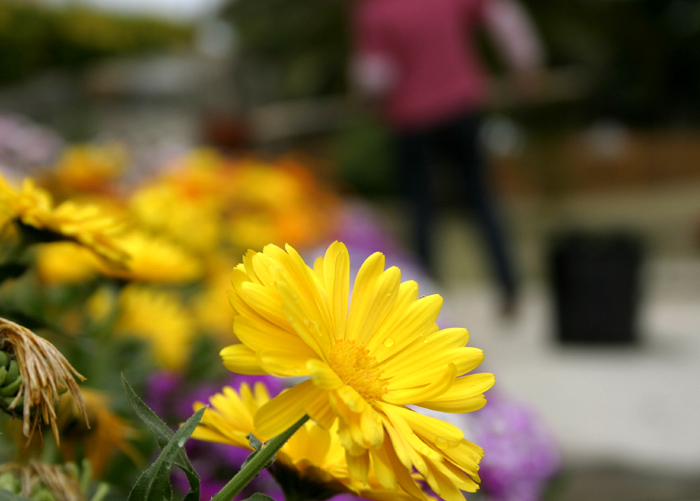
(305,41)
(34,37)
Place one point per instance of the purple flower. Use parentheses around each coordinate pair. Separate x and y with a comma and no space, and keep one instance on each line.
(521,455)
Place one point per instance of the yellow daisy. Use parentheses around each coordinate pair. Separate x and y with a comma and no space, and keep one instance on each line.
(365,364)
(159,318)
(165,208)
(86,224)
(154,259)
(313,455)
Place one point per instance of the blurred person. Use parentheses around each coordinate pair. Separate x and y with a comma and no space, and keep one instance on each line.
(417,60)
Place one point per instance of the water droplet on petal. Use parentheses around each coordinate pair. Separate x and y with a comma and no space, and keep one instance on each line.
(441,442)
(389,342)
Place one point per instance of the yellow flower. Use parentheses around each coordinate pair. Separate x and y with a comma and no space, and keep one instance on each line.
(86,224)
(160,318)
(210,306)
(164,208)
(154,259)
(65,263)
(365,364)
(313,455)
(88,168)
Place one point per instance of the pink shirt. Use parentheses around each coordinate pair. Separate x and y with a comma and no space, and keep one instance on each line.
(430,47)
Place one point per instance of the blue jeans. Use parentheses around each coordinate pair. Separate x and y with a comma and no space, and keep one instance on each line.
(417,160)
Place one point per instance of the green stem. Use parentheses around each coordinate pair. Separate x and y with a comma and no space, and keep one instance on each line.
(258,462)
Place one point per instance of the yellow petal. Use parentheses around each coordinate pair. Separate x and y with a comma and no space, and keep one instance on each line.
(287,360)
(387,455)
(467,456)
(285,409)
(383,468)
(265,301)
(465,395)
(322,375)
(436,388)
(306,320)
(408,320)
(358,465)
(372,428)
(320,410)
(367,276)
(336,274)
(432,353)
(441,433)
(442,486)
(241,359)
(374,302)
(259,334)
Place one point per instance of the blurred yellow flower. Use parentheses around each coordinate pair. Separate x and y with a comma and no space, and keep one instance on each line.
(314,455)
(154,259)
(85,224)
(211,306)
(87,168)
(65,263)
(293,321)
(163,209)
(161,319)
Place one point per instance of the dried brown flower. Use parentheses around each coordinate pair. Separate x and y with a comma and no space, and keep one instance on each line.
(55,479)
(44,373)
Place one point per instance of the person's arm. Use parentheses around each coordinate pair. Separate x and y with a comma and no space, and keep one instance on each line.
(514,34)
(515,37)
(373,71)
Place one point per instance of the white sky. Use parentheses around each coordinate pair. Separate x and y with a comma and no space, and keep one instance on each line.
(174,9)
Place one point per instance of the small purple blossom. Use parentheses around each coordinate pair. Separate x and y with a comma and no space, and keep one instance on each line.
(521,455)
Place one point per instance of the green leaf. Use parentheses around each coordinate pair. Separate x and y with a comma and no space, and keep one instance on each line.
(259,497)
(256,444)
(154,483)
(164,436)
(9,496)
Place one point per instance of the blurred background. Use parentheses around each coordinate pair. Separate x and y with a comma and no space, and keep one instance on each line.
(597,174)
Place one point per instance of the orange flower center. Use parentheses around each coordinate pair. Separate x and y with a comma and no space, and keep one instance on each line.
(357,368)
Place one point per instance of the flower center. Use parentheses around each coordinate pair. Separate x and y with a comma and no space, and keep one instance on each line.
(357,368)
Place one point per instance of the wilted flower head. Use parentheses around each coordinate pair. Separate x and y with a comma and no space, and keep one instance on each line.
(34,375)
(41,481)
